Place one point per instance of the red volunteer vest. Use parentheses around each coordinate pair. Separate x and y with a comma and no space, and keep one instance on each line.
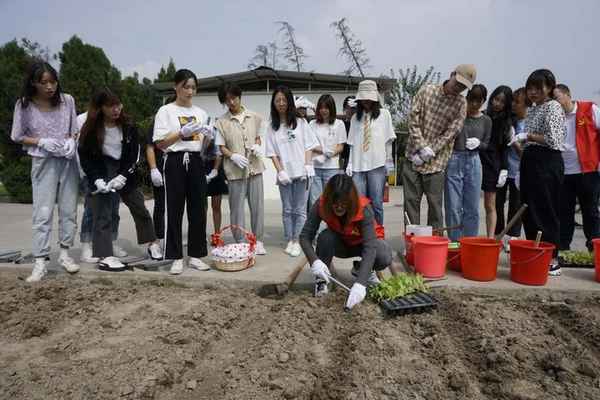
(350,233)
(586,137)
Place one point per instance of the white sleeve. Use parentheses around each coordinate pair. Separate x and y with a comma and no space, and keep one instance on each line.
(161,125)
(270,145)
(219,139)
(310,137)
(388,126)
(340,132)
(353,124)
(596,114)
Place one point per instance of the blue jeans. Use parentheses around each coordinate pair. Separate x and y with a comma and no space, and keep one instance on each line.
(371,184)
(322,176)
(85,235)
(462,193)
(293,199)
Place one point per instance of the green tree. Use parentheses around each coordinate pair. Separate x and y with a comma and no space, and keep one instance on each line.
(168,74)
(85,68)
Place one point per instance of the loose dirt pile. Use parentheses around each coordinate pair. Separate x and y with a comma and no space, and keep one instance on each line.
(69,338)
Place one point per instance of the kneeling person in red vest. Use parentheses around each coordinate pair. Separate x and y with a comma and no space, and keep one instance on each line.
(351,232)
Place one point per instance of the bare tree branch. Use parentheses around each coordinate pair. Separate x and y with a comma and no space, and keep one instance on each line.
(261,57)
(292,50)
(352,48)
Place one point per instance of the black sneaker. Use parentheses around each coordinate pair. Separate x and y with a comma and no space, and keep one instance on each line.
(321,288)
(554,268)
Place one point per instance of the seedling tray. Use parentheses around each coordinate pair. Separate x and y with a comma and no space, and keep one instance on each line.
(573,265)
(413,303)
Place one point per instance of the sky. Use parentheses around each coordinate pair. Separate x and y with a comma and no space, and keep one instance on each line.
(505,39)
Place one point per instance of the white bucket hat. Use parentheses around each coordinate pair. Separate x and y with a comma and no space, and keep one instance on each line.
(303,102)
(367,90)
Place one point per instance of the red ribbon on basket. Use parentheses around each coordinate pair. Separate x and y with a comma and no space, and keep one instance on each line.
(218,241)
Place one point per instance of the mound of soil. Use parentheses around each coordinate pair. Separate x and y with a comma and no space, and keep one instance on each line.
(69,338)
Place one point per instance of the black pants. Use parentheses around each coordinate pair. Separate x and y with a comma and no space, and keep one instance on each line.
(542,172)
(514,202)
(584,188)
(158,214)
(185,185)
(102,212)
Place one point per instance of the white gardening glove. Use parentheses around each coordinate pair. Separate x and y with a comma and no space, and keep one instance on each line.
(50,145)
(520,137)
(320,270)
(357,294)
(239,160)
(472,143)
(117,183)
(206,130)
(256,150)
(416,160)
(502,178)
(390,166)
(212,175)
(309,170)
(156,177)
(190,129)
(349,169)
(101,186)
(69,148)
(426,154)
(283,177)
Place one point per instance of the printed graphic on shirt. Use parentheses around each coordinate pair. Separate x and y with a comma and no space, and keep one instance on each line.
(291,135)
(184,120)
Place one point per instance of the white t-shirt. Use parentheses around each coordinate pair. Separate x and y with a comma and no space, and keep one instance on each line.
(171,118)
(569,154)
(382,131)
(113,142)
(329,136)
(290,146)
(81,118)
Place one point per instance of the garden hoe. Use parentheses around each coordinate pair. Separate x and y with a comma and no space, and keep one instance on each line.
(279,290)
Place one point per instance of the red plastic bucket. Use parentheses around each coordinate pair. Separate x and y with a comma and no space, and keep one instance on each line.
(453,261)
(408,245)
(529,264)
(479,258)
(596,243)
(430,254)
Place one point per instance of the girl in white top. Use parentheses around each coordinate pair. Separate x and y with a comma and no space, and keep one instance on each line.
(181,131)
(331,134)
(289,143)
(370,138)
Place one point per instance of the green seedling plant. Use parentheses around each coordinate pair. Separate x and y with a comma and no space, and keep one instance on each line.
(397,286)
(577,257)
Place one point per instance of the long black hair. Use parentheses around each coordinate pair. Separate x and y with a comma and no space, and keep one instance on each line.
(290,114)
(541,77)
(33,76)
(92,131)
(341,188)
(501,121)
(375,109)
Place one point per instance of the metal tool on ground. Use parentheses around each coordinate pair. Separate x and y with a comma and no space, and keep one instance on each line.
(512,221)
(278,290)
(7,256)
(27,259)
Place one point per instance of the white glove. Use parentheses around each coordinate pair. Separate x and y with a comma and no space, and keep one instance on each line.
(206,130)
(310,170)
(426,154)
(239,160)
(190,129)
(283,177)
(357,294)
(256,150)
(50,145)
(389,166)
(472,143)
(212,175)
(502,178)
(69,148)
(320,270)
(349,169)
(416,160)
(101,186)
(329,153)
(156,177)
(117,183)
(520,137)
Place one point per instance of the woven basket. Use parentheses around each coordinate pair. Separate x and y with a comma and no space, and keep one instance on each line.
(248,259)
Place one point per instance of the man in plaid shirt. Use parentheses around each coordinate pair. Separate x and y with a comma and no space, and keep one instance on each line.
(437,114)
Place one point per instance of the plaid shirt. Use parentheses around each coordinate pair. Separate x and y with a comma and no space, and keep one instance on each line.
(435,119)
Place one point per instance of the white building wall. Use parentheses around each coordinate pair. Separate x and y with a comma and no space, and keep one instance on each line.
(260,102)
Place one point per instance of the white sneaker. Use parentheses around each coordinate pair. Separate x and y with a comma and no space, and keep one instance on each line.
(289,247)
(260,249)
(87,254)
(155,251)
(176,267)
(118,251)
(38,272)
(112,263)
(67,262)
(198,264)
(296,250)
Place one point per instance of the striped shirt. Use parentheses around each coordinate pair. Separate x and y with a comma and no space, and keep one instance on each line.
(435,119)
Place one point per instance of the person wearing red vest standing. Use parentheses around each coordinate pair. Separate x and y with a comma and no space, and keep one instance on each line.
(352,231)
(582,161)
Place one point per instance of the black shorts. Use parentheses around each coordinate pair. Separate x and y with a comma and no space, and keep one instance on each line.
(490,171)
(218,185)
